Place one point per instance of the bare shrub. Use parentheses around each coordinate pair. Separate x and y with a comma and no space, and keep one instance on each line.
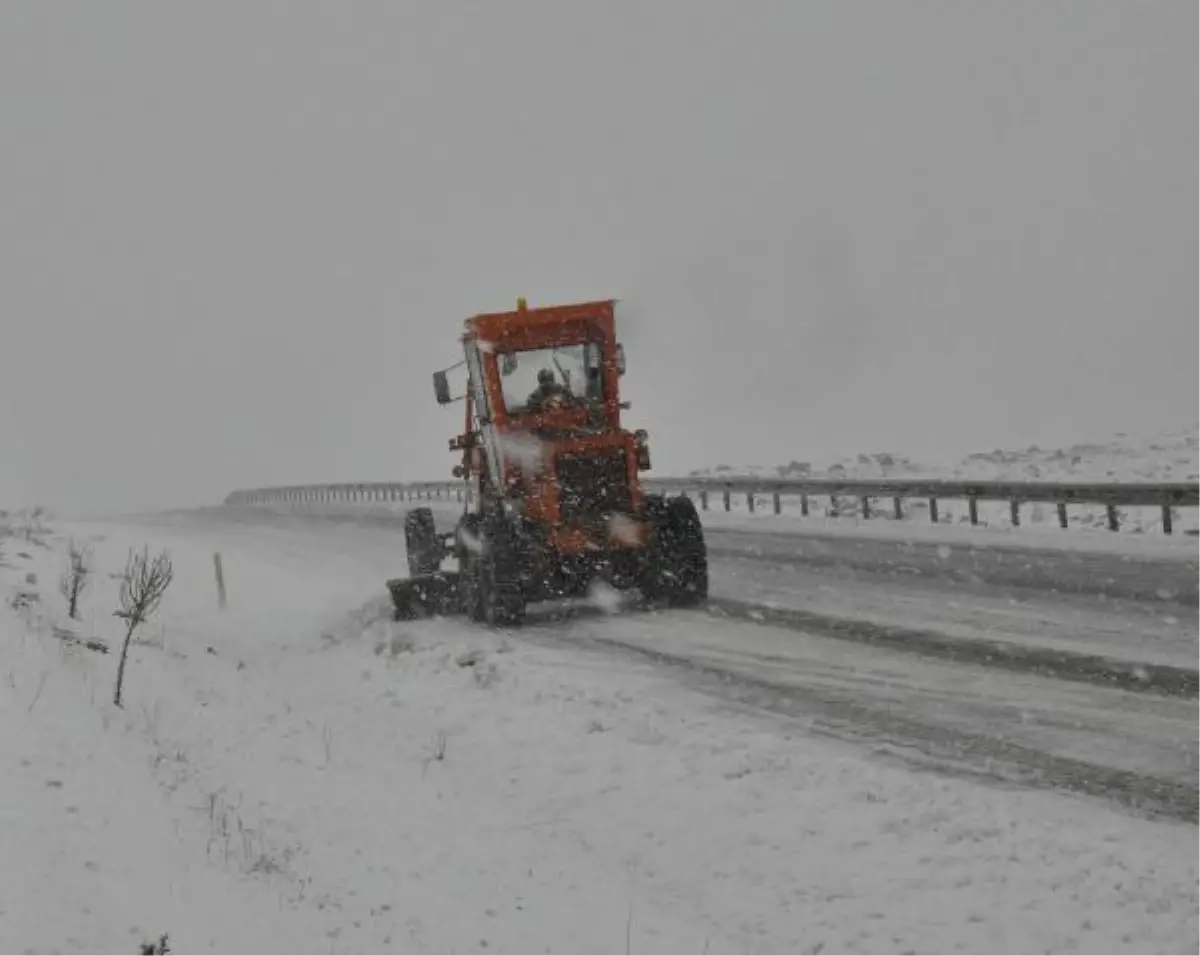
(74,578)
(143,585)
(435,751)
(158,947)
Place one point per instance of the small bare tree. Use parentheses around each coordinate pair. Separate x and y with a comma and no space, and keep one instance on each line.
(74,578)
(156,947)
(143,584)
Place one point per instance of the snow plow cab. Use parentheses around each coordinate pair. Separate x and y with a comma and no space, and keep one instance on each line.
(553,496)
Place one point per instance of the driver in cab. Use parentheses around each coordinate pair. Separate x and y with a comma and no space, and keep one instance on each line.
(549,392)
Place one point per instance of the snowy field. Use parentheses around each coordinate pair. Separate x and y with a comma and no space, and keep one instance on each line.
(299,773)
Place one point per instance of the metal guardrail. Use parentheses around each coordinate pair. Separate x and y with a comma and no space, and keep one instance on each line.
(1111,495)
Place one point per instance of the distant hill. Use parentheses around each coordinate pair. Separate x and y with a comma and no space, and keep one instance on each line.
(1169,455)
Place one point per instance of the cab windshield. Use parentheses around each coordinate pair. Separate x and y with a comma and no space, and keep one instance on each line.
(535,380)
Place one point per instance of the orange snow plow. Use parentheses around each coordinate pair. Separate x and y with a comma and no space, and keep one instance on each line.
(553,496)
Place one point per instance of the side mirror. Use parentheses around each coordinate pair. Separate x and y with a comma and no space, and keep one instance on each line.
(620,359)
(508,363)
(441,388)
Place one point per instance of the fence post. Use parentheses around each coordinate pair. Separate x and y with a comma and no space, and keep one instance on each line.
(933,512)
(777,503)
(1166,515)
(703,499)
(898,509)
(866,507)
(1062,514)
(1014,511)
(1114,520)
(803,504)
(220,579)
(727,497)
(750,501)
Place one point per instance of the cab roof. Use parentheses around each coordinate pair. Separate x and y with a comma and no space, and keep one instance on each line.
(524,326)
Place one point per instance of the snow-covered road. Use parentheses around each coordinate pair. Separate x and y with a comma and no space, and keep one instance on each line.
(1019,668)
(596,783)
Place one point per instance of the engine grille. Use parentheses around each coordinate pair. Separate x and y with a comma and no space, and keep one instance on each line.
(592,486)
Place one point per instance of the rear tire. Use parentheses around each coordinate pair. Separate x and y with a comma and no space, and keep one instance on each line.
(422,543)
(677,559)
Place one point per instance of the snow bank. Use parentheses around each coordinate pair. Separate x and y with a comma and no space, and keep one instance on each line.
(104,847)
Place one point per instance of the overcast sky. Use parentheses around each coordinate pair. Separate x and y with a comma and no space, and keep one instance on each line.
(237,238)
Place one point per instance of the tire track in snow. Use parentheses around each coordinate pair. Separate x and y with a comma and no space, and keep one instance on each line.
(1022,658)
(1136,577)
(920,743)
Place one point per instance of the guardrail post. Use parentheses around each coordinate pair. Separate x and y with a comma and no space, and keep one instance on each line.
(750,501)
(866,507)
(703,499)
(803,505)
(898,509)
(1014,511)
(727,497)
(1114,520)
(973,509)
(1062,514)
(778,504)
(1166,515)
(933,512)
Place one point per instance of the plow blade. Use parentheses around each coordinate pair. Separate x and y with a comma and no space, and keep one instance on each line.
(427,595)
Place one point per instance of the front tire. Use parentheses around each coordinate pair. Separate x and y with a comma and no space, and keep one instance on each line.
(677,559)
